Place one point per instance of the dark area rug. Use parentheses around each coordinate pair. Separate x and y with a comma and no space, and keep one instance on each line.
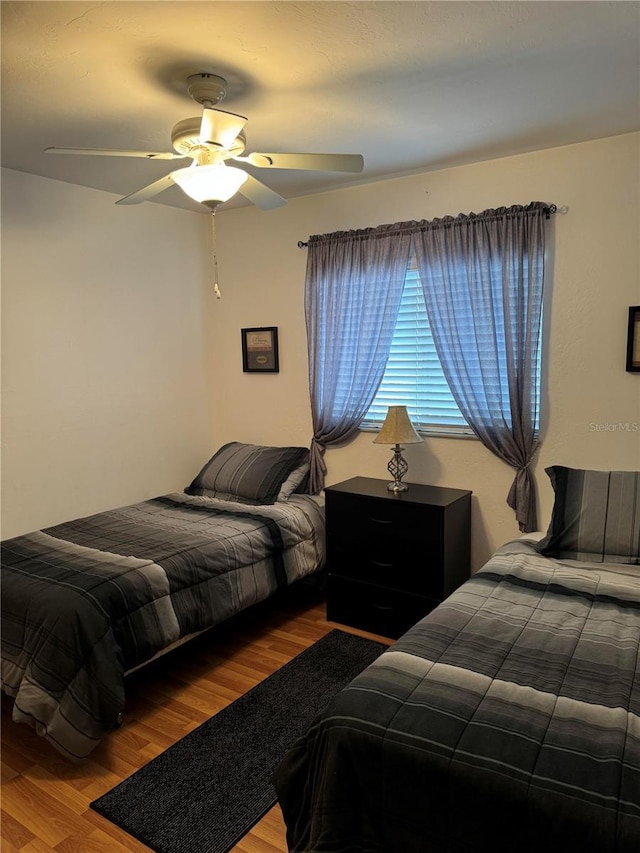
(207,791)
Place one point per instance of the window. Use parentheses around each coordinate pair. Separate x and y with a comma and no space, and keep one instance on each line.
(414,376)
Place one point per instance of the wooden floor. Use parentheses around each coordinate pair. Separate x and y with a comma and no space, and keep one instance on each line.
(45,798)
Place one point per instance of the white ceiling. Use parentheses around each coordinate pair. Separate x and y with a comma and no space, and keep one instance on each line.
(413,86)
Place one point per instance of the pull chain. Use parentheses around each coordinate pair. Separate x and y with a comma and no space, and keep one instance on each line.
(216,289)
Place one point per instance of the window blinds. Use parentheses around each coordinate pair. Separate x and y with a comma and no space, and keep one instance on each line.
(413,376)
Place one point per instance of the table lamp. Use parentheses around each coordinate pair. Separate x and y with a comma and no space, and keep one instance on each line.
(397,429)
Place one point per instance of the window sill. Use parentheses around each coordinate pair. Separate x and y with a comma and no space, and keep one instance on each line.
(443,432)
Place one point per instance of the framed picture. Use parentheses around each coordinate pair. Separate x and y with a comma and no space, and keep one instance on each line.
(260,350)
(633,340)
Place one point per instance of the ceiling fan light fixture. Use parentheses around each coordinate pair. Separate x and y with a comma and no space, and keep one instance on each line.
(213,182)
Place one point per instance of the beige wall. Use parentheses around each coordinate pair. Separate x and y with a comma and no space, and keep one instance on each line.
(121,372)
(107,369)
(594,275)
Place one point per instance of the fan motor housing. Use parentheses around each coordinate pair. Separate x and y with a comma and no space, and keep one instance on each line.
(185,138)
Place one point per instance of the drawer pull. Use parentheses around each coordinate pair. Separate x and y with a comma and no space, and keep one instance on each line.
(381,521)
(381,606)
(381,565)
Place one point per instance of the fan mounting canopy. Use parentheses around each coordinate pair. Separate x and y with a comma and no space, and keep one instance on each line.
(206,89)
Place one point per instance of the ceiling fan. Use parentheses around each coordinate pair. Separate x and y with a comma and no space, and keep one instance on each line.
(210,141)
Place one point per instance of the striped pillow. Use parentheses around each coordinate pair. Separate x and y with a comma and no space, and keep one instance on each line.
(596,516)
(296,483)
(248,473)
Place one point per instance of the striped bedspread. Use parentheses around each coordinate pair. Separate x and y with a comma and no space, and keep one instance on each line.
(86,601)
(506,720)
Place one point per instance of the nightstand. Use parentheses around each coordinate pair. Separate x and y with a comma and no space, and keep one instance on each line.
(393,557)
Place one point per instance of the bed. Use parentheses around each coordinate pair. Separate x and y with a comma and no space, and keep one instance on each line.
(508,718)
(85,602)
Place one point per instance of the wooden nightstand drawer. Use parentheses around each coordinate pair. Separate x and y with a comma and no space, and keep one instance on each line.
(392,564)
(374,608)
(361,521)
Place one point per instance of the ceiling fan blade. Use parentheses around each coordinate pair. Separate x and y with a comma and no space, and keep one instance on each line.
(219,127)
(260,194)
(149,191)
(115,152)
(313,162)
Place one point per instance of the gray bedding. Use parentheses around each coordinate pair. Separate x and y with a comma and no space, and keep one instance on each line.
(86,601)
(508,719)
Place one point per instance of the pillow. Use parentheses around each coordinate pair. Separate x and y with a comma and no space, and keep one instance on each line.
(248,473)
(296,482)
(596,516)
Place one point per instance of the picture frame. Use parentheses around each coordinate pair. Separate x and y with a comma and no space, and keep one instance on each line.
(260,349)
(633,340)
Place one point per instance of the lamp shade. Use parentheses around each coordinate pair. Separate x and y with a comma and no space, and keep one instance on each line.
(213,182)
(397,428)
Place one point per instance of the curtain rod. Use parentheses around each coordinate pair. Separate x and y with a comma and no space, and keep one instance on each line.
(549,211)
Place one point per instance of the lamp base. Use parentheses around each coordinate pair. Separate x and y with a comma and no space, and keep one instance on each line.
(397,467)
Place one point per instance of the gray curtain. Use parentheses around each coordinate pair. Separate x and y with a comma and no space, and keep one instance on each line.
(483,279)
(354,283)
